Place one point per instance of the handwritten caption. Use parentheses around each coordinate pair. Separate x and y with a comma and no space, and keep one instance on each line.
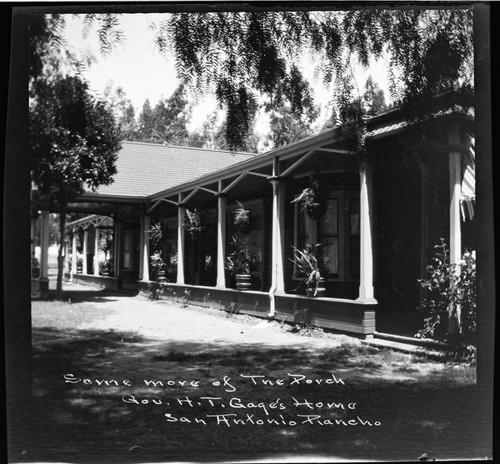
(290,410)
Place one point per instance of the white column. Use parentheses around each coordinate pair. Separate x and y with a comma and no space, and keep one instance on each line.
(455,168)
(85,250)
(73,254)
(44,247)
(278,235)
(366,250)
(455,189)
(280,244)
(221,238)
(118,240)
(66,263)
(145,225)
(96,251)
(180,242)
(141,247)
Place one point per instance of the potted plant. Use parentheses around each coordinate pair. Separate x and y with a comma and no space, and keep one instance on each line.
(159,266)
(242,219)
(308,265)
(79,265)
(238,263)
(105,268)
(192,222)
(311,200)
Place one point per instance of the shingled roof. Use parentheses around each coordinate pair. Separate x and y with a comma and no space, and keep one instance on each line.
(146,168)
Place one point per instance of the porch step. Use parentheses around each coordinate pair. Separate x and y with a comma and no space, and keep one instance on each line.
(410,348)
(426,342)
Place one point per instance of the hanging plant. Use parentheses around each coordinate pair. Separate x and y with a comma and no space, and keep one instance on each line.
(192,222)
(242,219)
(156,233)
(311,200)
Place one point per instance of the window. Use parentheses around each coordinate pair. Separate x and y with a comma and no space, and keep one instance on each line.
(126,250)
(337,231)
(328,235)
(354,254)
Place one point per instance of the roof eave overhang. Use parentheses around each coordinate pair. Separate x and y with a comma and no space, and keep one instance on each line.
(257,162)
(100,197)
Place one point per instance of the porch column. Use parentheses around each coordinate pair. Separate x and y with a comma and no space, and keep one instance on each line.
(73,254)
(66,263)
(44,253)
(454,161)
(96,251)
(145,225)
(33,237)
(85,250)
(221,238)
(366,250)
(455,189)
(180,242)
(278,235)
(118,257)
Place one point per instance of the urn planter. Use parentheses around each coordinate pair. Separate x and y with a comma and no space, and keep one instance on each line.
(162,276)
(243,281)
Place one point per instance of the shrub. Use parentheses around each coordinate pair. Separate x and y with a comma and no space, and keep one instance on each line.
(154,291)
(450,286)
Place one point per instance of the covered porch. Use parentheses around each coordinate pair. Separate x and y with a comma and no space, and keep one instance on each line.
(362,214)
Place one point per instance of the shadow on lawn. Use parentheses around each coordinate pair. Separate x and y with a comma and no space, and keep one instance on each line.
(89,421)
(91,294)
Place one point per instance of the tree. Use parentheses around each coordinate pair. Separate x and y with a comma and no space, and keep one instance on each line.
(287,127)
(237,55)
(210,135)
(123,110)
(146,122)
(74,141)
(373,98)
(167,121)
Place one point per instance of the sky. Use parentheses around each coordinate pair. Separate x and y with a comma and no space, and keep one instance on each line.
(138,67)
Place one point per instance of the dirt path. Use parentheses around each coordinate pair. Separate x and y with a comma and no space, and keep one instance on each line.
(175,358)
(169,322)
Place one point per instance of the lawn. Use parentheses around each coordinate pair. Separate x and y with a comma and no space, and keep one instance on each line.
(122,379)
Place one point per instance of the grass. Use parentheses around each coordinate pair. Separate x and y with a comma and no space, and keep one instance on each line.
(423,405)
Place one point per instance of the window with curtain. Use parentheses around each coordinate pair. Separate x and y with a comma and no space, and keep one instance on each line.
(337,231)
(126,250)
(328,236)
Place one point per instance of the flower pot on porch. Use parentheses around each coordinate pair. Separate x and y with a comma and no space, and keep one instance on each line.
(319,291)
(243,281)
(162,276)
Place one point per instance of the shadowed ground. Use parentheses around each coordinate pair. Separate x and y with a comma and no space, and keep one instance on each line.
(421,405)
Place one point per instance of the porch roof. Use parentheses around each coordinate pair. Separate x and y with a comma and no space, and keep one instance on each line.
(146,168)
(150,172)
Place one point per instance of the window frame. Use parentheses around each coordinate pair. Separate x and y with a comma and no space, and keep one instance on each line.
(345,197)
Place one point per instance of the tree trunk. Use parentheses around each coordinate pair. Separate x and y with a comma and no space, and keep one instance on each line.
(60,256)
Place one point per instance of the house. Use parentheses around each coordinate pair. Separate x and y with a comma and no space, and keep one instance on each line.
(381,216)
